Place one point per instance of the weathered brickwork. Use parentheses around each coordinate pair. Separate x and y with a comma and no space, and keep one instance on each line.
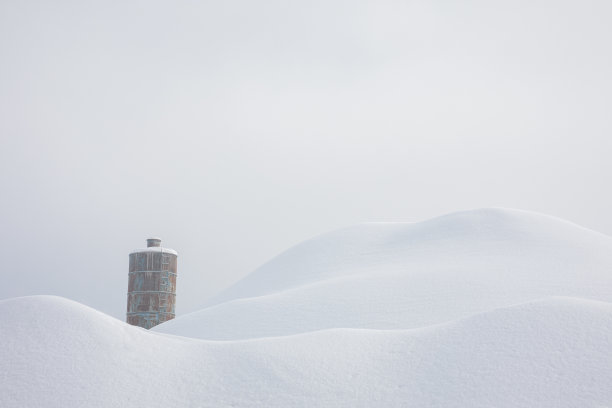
(151,287)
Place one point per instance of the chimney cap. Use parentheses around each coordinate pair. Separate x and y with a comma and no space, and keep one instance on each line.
(153,242)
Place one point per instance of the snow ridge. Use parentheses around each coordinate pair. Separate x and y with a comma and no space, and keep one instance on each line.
(407,275)
(549,353)
(483,308)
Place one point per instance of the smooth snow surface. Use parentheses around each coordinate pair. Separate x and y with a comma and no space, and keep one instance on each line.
(400,276)
(488,308)
(551,353)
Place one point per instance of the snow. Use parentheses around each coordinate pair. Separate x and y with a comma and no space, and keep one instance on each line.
(155,249)
(409,275)
(549,353)
(484,308)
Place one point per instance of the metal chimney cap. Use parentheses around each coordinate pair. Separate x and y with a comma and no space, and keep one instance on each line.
(153,242)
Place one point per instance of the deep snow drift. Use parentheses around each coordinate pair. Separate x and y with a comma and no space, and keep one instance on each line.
(552,353)
(451,312)
(409,275)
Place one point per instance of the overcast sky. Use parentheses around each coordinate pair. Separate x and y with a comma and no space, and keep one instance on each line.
(235,129)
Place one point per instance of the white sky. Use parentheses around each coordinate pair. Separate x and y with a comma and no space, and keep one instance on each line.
(235,129)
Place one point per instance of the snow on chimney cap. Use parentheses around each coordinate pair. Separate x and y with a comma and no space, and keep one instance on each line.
(153,242)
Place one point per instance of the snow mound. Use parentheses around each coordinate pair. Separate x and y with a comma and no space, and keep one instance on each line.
(409,275)
(485,308)
(549,353)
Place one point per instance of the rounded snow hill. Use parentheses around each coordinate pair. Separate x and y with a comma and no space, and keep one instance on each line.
(549,353)
(409,275)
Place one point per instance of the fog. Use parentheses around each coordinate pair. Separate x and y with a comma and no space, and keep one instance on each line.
(236,129)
